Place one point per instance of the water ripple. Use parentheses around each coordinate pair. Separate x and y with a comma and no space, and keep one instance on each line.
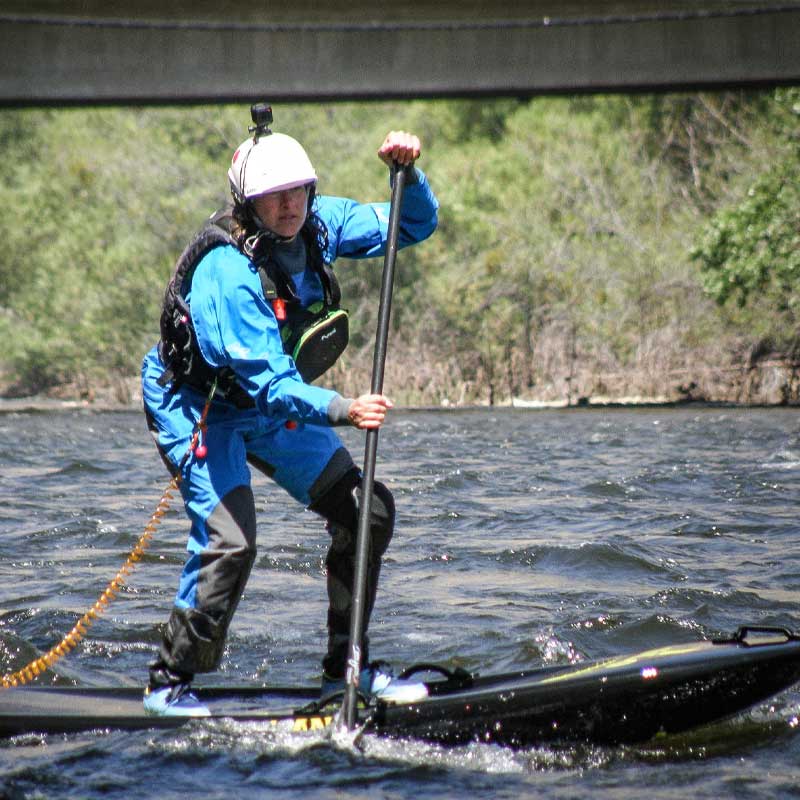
(565,536)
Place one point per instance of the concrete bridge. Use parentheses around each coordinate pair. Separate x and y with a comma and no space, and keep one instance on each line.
(64,52)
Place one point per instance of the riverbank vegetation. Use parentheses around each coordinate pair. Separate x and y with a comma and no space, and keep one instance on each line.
(597,247)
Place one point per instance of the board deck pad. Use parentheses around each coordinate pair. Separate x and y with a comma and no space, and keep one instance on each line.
(64,709)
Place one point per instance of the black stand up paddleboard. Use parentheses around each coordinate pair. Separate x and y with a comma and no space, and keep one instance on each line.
(625,699)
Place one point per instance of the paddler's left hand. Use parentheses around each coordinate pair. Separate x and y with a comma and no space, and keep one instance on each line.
(368,411)
(399,146)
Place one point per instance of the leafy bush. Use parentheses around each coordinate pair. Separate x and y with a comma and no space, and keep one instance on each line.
(582,240)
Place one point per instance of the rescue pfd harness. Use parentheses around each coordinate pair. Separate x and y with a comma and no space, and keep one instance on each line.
(315,337)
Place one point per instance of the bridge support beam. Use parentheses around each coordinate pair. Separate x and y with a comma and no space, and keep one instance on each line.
(48,59)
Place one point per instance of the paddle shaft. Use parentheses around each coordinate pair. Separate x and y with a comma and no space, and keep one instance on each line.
(370,456)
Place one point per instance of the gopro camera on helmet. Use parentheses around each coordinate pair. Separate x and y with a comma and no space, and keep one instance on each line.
(261,114)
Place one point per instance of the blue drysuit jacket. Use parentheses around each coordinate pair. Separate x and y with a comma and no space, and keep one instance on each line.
(236,326)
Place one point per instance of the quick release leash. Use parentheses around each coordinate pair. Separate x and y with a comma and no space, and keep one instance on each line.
(79,631)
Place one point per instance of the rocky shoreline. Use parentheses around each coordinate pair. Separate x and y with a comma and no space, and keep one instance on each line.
(44,404)
(767,383)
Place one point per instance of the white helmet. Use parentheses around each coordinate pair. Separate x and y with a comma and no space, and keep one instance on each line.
(270,164)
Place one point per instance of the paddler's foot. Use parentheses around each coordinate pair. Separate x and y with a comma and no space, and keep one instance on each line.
(176,700)
(378,680)
(390,689)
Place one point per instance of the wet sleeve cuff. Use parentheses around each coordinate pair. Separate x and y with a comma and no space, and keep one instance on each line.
(337,410)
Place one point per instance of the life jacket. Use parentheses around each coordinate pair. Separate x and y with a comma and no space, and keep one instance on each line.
(315,336)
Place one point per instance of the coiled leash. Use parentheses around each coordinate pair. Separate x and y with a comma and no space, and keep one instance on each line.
(39,665)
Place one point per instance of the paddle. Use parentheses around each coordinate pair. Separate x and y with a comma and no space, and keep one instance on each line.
(370,455)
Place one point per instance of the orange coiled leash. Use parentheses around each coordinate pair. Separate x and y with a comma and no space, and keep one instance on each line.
(39,665)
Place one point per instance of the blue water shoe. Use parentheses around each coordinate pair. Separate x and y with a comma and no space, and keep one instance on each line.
(176,700)
(378,680)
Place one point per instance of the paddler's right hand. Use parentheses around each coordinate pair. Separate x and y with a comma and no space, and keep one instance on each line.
(368,411)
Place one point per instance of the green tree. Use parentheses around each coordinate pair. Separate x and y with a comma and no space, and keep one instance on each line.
(561,265)
(749,252)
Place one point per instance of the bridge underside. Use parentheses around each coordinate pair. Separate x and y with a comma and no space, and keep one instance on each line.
(64,52)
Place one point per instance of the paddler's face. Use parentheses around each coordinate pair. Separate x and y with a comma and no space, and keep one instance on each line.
(283,212)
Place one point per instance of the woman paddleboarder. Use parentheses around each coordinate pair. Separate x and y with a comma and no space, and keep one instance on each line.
(250,318)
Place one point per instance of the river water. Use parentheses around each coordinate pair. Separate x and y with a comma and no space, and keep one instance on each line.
(524,537)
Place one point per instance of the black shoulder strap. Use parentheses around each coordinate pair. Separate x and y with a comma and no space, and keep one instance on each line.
(222,223)
(275,283)
(216,232)
(330,286)
(333,293)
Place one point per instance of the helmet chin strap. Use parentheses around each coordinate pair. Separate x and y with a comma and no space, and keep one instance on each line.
(251,243)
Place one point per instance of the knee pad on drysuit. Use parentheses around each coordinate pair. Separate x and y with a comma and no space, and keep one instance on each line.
(340,506)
